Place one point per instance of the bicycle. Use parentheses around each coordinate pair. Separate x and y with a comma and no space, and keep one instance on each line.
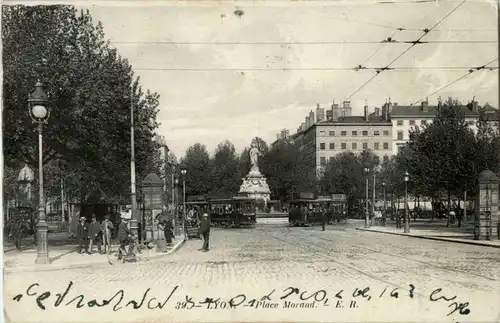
(122,255)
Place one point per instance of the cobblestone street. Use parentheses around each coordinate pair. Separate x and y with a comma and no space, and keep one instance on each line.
(272,256)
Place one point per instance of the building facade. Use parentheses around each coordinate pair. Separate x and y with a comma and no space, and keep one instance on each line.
(326,139)
(405,118)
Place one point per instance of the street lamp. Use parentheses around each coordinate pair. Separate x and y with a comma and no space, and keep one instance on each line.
(133,222)
(385,203)
(407,222)
(183,172)
(176,208)
(367,216)
(37,103)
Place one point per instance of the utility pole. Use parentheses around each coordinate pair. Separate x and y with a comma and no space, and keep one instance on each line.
(133,223)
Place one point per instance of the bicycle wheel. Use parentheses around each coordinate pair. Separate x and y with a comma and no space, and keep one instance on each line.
(115,257)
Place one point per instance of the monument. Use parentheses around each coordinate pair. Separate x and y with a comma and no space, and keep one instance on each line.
(254,184)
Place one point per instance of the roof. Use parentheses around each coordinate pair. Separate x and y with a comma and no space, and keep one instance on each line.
(488,176)
(355,120)
(417,110)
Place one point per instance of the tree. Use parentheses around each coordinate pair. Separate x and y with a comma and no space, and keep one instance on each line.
(288,171)
(90,88)
(198,170)
(244,162)
(440,157)
(225,170)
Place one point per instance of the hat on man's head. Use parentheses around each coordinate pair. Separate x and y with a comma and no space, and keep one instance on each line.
(83,218)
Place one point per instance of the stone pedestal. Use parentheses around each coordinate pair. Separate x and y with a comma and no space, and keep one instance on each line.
(255,186)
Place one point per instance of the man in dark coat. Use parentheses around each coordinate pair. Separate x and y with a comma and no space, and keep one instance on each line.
(83,235)
(95,234)
(324,219)
(205,230)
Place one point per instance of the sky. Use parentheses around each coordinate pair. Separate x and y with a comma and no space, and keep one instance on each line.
(235,70)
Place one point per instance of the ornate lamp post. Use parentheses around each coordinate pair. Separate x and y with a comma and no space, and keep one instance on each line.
(176,203)
(37,104)
(367,215)
(133,222)
(183,172)
(407,221)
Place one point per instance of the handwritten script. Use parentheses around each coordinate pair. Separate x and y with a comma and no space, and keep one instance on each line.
(289,297)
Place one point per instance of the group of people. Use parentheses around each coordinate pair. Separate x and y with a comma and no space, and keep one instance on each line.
(99,234)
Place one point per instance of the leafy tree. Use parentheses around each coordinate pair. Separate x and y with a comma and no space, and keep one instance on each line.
(90,88)
(440,158)
(198,175)
(244,162)
(225,170)
(288,171)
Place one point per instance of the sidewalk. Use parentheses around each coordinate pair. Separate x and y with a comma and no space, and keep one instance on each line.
(435,231)
(66,257)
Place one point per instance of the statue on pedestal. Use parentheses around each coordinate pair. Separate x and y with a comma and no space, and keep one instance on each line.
(254,157)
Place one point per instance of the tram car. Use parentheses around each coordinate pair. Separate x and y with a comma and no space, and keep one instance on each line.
(308,209)
(229,212)
(304,211)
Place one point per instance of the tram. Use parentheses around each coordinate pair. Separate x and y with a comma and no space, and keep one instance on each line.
(311,210)
(236,211)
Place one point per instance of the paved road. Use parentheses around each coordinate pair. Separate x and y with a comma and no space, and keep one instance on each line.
(272,256)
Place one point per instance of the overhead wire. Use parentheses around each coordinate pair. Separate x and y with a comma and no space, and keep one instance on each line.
(426,31)
(333,69)
(469,72)
(338,42)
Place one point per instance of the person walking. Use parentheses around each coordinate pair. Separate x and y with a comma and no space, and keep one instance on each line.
(106,227)
(83,235)
(205,231)
(95,235)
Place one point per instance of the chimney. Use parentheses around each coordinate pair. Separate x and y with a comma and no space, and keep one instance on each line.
(377,112)
(311,118)
(302,126)
(320,113)
(308,122)
(425,106)
(329,115)
(366,113)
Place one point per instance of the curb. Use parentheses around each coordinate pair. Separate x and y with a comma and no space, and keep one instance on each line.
(433,238)
(176,247)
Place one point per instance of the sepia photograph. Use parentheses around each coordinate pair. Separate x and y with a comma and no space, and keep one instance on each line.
(250,161)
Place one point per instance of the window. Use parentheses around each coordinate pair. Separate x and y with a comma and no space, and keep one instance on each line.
(376,133)
(322,146)
(332,146)
(354,133)
(365,145)
(322,133)
(386,132)
(354,145)
(332,133)
(376,146)
(365,133)
(343,133)
(400,122)
(386,145)
(343,145)
(400,135)
(412,122)
(322,161)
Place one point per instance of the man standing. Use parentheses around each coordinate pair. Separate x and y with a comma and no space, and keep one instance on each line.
(205,230)
(106,228)
(83,235)
(95,234)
